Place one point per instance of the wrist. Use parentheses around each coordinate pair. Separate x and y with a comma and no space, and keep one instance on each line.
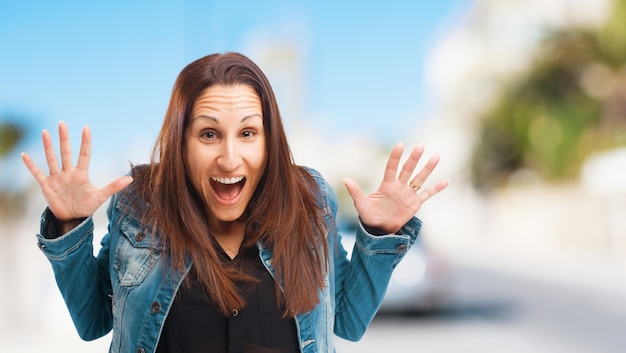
(375,230)
(65,226)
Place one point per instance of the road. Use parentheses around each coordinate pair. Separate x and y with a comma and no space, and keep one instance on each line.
(494,311)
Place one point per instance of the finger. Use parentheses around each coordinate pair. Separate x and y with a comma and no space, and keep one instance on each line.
(433,190)
(392,163)
(115,186)
(410,164)
(84,156)
(423,174)
(65,146)
(51,156)
(353,189)
(34,170)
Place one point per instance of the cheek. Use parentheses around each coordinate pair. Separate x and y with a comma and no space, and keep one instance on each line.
(187,161)
(193,155)
(259,172)
(260,157)
(191,164)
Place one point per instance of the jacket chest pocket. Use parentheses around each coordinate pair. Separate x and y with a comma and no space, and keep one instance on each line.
(135,253)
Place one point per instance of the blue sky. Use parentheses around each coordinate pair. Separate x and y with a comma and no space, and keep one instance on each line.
(112,64)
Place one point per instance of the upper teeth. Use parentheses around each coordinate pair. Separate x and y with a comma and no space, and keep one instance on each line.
(228,180)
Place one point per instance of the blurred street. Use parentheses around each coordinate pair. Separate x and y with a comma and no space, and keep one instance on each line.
(494,310)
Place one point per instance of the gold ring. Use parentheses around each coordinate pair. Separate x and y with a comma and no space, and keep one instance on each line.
(416,188)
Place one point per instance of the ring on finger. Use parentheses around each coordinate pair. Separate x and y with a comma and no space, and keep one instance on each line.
(414,187)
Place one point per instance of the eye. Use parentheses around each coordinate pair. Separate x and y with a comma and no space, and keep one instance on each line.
(208,134)
(248,133)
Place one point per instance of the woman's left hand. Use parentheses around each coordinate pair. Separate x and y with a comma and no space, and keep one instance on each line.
(399,197)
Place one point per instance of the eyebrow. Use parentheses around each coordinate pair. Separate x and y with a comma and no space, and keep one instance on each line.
(217,121)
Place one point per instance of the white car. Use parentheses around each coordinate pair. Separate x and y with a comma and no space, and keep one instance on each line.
(420,283)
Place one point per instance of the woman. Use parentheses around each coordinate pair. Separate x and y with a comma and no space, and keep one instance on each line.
(222,243)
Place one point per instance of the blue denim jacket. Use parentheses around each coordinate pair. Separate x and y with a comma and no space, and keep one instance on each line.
(125,288)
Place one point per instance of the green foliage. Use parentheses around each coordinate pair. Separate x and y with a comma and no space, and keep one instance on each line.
(571,104)
(611,36)
(10,135)
(12,202)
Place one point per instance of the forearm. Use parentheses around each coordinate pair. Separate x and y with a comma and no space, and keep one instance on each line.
(363,282)
(82,278)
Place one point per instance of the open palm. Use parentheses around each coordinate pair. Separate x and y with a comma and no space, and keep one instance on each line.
(68,191)
(396,200)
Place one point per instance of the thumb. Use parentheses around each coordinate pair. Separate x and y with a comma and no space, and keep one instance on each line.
(353,189)
(116,186)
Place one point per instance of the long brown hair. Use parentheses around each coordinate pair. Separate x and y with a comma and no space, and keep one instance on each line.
(284,213)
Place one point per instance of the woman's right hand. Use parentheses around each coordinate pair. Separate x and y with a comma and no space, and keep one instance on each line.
(68,191)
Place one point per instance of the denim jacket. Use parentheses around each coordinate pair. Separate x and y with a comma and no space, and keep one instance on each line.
(126,287)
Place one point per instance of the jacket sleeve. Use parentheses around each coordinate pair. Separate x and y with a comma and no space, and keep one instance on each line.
(83,279)
(361,281)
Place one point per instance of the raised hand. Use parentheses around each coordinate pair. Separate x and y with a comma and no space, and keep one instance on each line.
(397,199)
(68,191)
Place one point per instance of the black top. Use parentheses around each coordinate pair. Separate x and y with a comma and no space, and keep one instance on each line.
(194,325)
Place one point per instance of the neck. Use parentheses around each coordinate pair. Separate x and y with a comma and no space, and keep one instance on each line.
(230,236)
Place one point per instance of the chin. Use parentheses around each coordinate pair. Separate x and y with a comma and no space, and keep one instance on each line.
(228,217)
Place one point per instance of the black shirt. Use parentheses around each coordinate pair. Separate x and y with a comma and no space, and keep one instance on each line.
(194,325)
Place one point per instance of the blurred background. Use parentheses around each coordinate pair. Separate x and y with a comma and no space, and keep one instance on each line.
(525,101)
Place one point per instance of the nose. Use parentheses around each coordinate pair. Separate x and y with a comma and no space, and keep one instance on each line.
(230,156)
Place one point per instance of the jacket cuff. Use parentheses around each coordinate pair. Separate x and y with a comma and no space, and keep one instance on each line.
(389,243)
(56,245)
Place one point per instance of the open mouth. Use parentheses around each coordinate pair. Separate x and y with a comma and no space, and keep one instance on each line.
(227,189)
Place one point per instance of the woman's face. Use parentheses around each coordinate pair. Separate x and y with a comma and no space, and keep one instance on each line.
(225,152)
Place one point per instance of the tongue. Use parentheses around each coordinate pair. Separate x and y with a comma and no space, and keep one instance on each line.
(227,191)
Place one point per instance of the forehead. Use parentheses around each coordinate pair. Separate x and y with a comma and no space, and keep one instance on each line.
(231,97)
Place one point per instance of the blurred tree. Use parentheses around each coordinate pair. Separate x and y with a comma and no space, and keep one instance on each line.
(571,104)
(11,134)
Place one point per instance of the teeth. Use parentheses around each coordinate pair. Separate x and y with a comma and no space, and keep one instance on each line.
(227,180)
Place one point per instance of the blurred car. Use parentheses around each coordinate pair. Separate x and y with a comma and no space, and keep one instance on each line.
(421,282)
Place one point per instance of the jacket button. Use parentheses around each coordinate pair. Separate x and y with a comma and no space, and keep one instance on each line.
(140,236)
(155,307)
(140,350)
(401,247)
(235,312)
